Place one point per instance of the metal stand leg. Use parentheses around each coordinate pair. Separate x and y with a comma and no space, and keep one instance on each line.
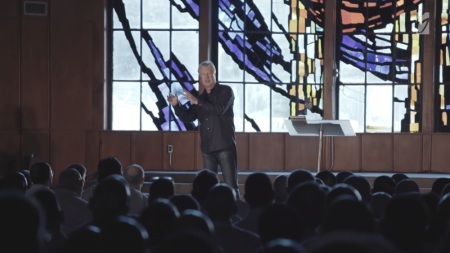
(319,157)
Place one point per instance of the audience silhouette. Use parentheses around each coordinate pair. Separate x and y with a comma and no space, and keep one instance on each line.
(54,217)
(185,202)
(161,187)
(84,239)
(280,188)
(202,183)
(297,212)
(282,245)
(22,224)
(106,166)
(159,218)
(385,184)
(15,181)
(308,200)
(297,177)
(278,221)
(110,200)
(327,177)
(68,193)
(258,194)
(135,176)
(220,205)
(41,174)
(125,235)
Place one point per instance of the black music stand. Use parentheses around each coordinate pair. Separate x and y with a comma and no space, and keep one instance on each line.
(302,126)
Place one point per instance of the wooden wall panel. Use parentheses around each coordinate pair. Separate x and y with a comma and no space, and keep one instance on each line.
(36,142)
(117,144)
(440,158)
(9,73)
(407,152)
(301,152)
(346,153)
(35,74)
(92,153)
(243,151)
(426,152)
(66,147)
(266,151)
(10,9)
(198,152)
(89,13)
(10,147)
(71,75)
(376,152)
(184,149)
(146,149)
(85,9)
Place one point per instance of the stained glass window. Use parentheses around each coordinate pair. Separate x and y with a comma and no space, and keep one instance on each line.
(380,61)
(443,88)
(270,53)
(152,57)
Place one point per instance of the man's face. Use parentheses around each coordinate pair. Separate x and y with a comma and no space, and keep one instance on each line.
(207,77)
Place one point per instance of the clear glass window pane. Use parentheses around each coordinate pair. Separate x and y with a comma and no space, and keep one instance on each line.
(257,107)
(185,50)
(126,105)
(379,109)
(125,66)
(279,112)
(352,105)
(238,108)
(156,14)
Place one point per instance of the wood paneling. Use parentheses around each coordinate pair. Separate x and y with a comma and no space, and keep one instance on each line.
(92,153)
(10,146)
(184,149)
(36,142)
(71,75)
(301,152)
(85,9)
(66,147)
(242,146)
(266,151)
(117,144)
(35,74)
(426,152)
(10,9)
(9,73)
(346,153)
(440,158)
(407,153)
(88,14)
(376,152)
(198,152)
(146,149)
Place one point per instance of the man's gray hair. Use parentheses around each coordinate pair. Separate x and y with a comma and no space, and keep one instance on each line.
(208,64)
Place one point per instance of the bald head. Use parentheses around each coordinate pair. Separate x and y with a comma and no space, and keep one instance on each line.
(135,175)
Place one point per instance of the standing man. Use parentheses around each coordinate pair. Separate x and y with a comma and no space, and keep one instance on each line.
(214,110)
